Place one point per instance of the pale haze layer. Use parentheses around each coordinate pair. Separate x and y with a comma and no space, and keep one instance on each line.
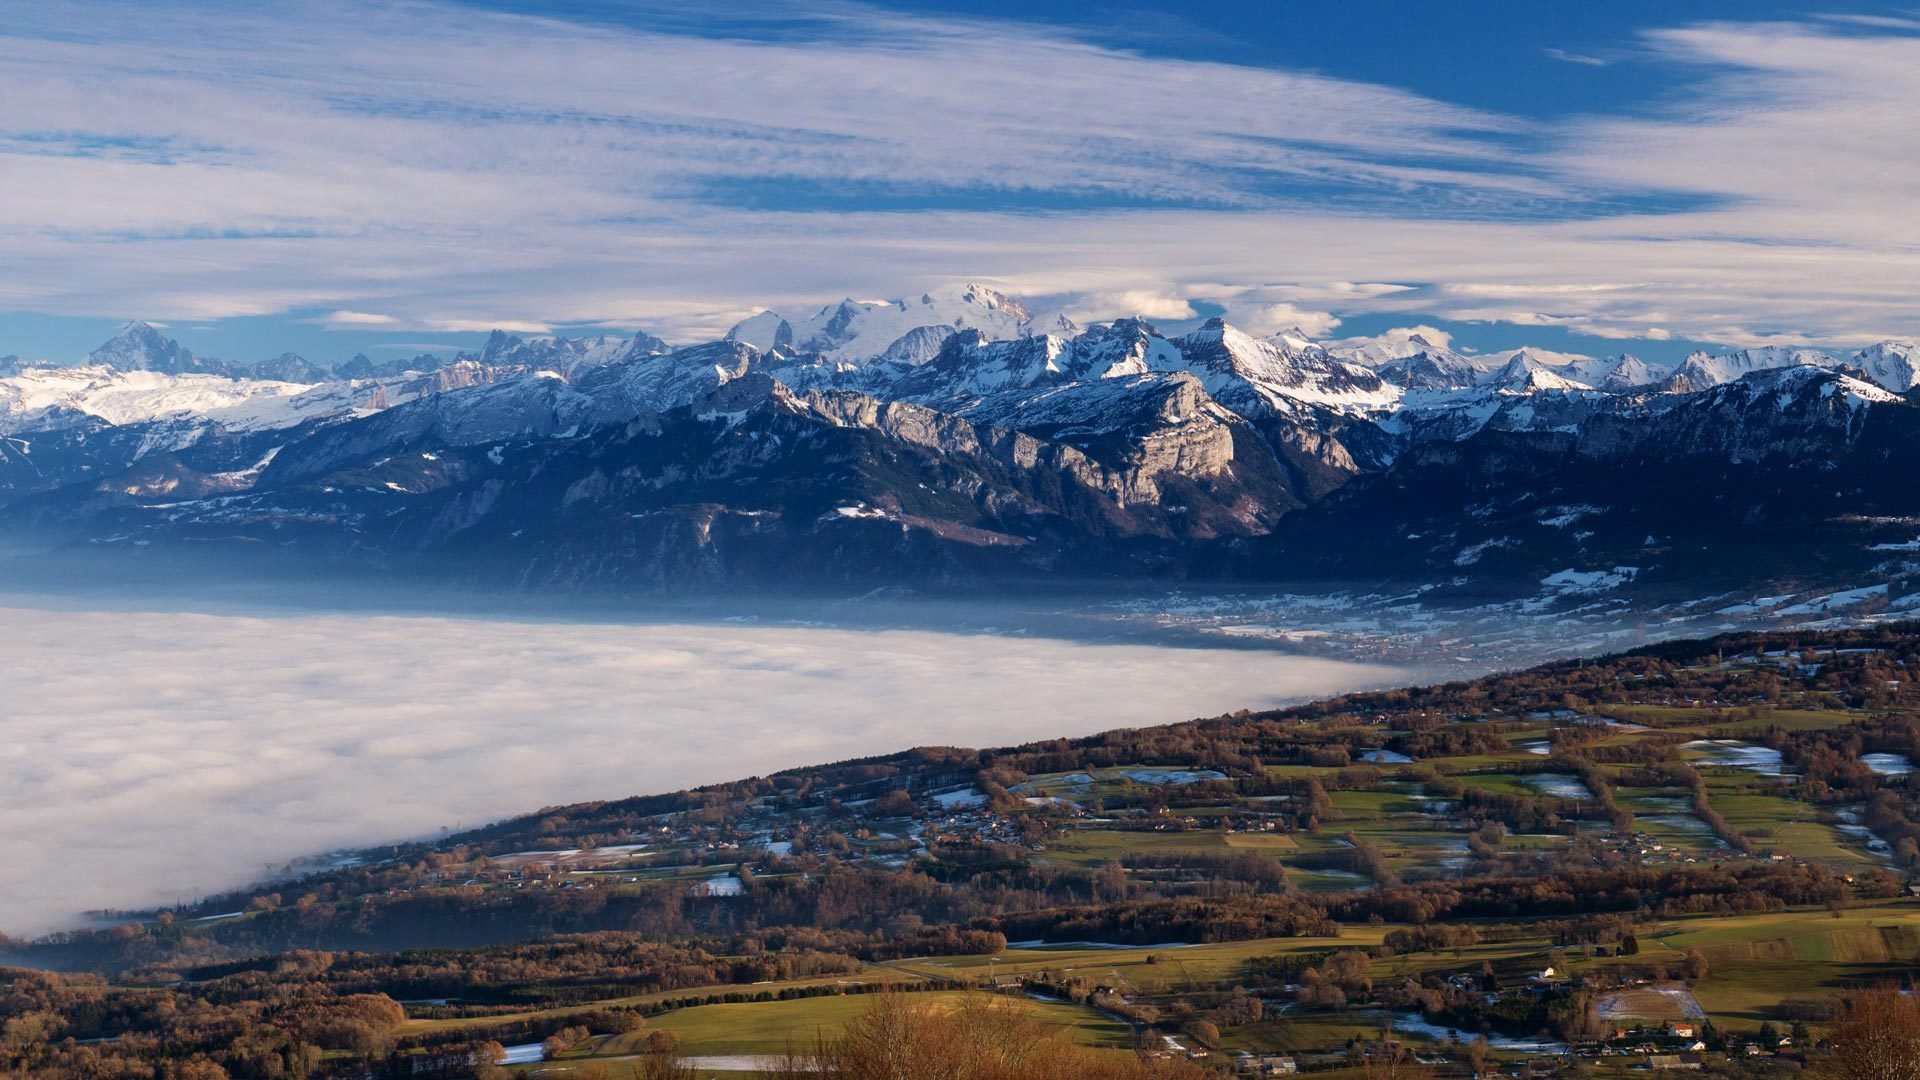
(150,755)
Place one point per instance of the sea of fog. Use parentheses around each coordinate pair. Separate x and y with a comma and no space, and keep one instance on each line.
(152,756)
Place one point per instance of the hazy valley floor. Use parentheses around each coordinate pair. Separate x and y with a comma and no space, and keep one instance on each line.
(152,755)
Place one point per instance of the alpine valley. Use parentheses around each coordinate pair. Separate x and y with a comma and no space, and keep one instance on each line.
(958,441)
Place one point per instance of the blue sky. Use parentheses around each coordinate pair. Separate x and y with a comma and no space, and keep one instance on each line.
(352,176)
(1512,56)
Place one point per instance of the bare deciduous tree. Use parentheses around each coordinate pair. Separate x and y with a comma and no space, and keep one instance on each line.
(1878,1037)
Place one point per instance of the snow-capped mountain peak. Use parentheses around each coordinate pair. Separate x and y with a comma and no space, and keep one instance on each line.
(911,330)
(764,331)
(1893,364)
(568,356)
(139,346)
(1702,369)
(1526,374)
(990,299)
(1804,393)
(1122,348)
(957,413)
(1617,374)
(1433,369)
(1248,374)
(968,366)
(43,396)
(1386,348)
(1293,338)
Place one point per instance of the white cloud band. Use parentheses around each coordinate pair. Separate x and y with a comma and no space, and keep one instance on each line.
(149,754)
(432,166)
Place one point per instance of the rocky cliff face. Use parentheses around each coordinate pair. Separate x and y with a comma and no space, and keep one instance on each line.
(978,439)
(1782,474)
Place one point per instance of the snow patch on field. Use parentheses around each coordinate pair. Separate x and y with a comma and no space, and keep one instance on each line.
(1580,582)
(1820,605)
(1650,1003)
(1559,517)
(725,885)
(1171,776)
(1755,606)
(1887,764)
(1760,759)
(1474,553)
(1557,785)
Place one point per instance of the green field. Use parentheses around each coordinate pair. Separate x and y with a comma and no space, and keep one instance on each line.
(1754,963)
(1262,842)
(1499,783)
(1097,846)
(865,978)
(1771,821)
(1146,969)
(1757,961)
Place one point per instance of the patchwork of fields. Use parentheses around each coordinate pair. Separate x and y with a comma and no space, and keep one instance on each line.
(1701,848)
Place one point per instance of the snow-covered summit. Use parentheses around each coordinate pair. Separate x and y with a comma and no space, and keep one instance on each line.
(1393,345)
(764,332)
(1527,374)
(139,346)
(1701,369)
(1893,364)
(564,355)
(1252,376)
(1434,368)
(862,330)
(1615,374)
(41,397)
(968,350)
(1813,380)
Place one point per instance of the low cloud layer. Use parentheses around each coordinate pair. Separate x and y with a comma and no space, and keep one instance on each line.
(152,755)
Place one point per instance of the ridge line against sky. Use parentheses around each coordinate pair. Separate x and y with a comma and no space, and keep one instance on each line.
(332,177)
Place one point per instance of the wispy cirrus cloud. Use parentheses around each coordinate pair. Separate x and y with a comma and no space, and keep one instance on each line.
(1909,22)
(222,161)
(1584,59)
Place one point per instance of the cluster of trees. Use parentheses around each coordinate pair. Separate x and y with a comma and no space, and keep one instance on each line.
(286,1032)
(1149,922)
(281,1016)
(1703,809)
(1432,938)
(1833,773)
(1522,813)
(1214,875)
(1435,739)
(1878,1037)
(1344,978)
(980,1038)
(562,970)
(1722,889)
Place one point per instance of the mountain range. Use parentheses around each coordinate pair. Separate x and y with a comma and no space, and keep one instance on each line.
(960,439)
